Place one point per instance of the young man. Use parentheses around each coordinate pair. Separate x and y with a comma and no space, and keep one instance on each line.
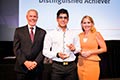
(28,46)
(60,45)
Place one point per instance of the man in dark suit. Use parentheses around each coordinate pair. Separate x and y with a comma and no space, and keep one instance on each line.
(28,51)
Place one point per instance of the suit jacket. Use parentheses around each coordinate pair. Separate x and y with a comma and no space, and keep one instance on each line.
(24,49)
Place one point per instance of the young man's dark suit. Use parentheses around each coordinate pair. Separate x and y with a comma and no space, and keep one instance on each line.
(24,49)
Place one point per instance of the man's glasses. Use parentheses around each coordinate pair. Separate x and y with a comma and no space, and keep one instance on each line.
(60,17)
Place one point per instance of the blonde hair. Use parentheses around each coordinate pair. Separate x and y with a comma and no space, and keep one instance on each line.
(93,29)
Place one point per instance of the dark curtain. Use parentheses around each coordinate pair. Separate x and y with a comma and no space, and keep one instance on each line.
(110,64)
(110,61)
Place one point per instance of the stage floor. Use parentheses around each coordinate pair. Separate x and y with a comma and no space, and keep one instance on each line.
(111,79)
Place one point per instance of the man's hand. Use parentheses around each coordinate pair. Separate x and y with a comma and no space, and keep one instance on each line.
(30,64)
(71,47)
(62,55)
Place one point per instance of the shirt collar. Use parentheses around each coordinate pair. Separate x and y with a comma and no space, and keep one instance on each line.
(34,27)
(59,29)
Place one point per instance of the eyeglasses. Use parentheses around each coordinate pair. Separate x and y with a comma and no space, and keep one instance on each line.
(60,17)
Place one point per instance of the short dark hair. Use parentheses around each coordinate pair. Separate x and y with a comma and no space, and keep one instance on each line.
(63,11)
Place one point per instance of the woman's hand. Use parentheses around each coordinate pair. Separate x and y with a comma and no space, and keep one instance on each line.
(86,53)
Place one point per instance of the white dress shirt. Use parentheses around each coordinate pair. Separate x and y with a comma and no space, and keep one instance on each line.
(34,28)
(57,41)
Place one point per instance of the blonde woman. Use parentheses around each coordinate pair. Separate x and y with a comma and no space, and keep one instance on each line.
(88,60)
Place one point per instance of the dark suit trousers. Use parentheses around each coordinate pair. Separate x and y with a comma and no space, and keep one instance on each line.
(29,76)
(64,72)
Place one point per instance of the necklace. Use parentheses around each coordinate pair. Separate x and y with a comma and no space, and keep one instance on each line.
(85,39)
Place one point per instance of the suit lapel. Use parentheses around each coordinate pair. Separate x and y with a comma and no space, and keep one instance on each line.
(37,33)
(27,35)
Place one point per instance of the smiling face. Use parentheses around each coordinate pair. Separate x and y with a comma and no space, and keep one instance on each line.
(87,23)
(32,17)
(62,20)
